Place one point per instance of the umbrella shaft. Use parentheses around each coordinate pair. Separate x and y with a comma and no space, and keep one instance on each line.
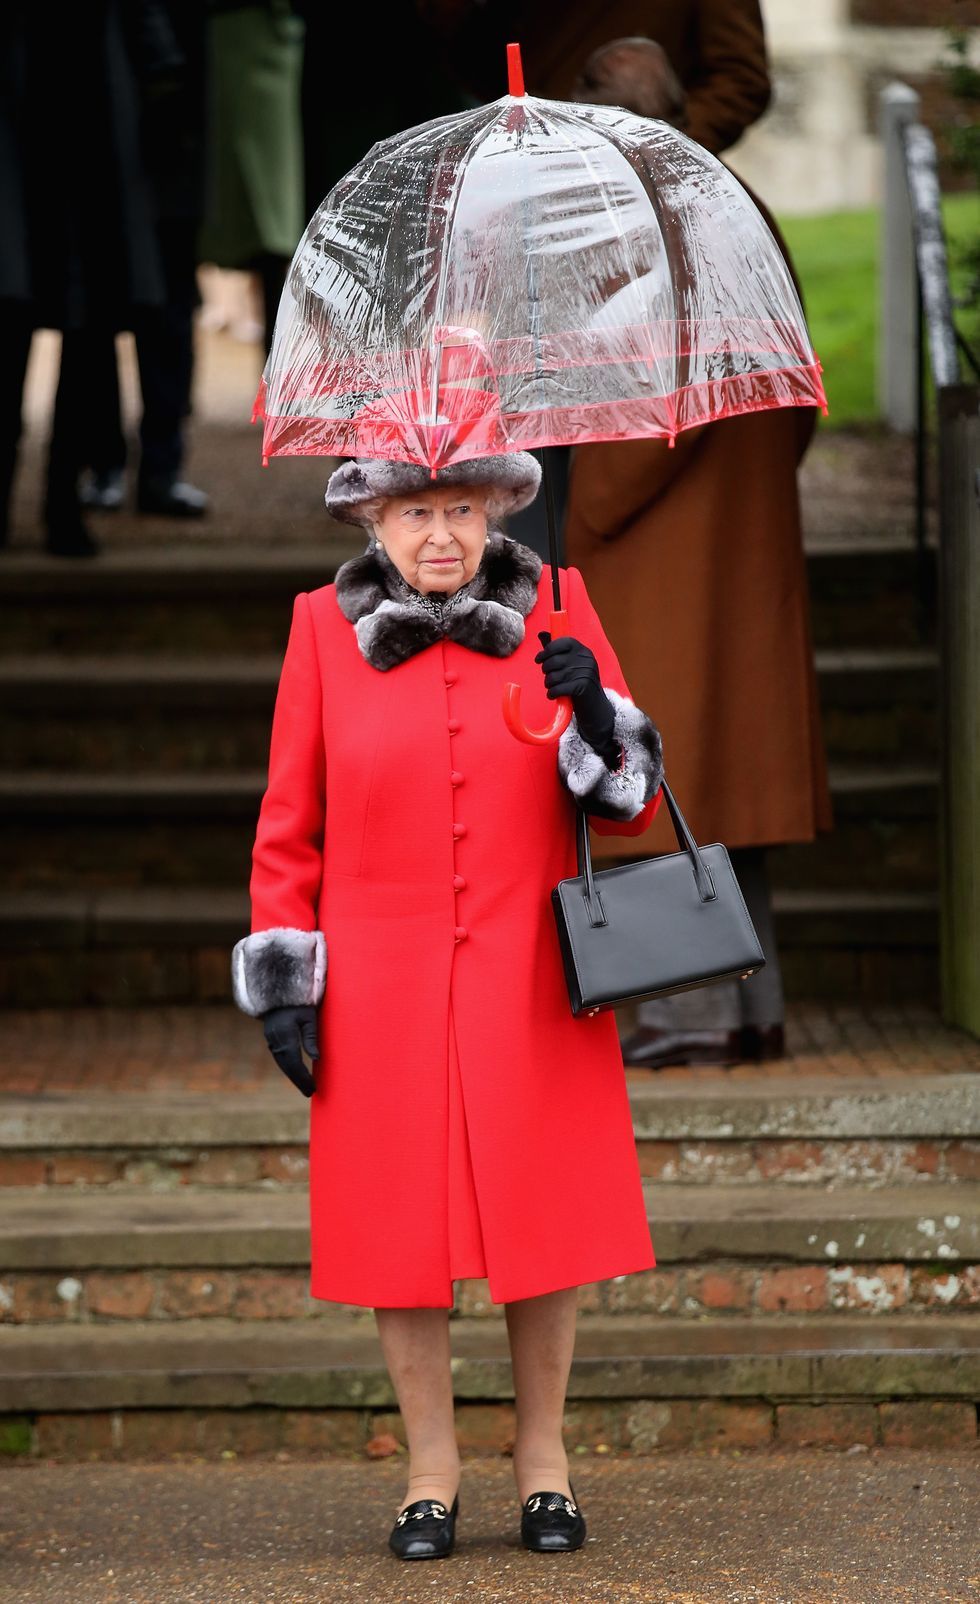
(549,503)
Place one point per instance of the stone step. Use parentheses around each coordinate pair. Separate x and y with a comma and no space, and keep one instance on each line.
(181,600)
(103,829)
(187,599)
(236,1227)
(867,1131)
(167,945)
(337,1364)
(140,712)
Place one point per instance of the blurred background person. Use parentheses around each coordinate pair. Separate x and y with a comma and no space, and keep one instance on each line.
(81,252)
(717,49)
(694,557)
(173,142)
(412,79)
(255,210)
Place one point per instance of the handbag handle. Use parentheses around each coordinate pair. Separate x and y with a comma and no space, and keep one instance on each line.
(685,841)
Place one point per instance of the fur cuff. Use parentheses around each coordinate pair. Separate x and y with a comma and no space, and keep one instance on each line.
(621,793)
(278,969)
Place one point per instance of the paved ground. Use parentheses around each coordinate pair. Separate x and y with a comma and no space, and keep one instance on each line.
(891,1527)
(218,1049)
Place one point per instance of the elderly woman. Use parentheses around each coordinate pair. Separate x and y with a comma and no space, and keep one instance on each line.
(408,844)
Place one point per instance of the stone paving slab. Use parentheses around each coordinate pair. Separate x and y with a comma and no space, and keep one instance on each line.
(216,1048)
(882,1527)
(337,1362)
(210,1229)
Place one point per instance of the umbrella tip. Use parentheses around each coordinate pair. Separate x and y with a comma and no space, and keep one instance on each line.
(515,71)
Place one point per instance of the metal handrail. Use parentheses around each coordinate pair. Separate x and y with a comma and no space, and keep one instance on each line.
(932,261)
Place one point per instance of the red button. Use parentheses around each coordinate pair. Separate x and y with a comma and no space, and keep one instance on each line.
(459,884)
(461,934)
(455,779)
(459,830)
(451,679)
(454,726)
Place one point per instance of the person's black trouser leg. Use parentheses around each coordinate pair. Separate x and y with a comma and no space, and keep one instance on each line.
(165,351)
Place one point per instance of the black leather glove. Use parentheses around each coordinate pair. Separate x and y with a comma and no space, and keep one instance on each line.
(570,669)
(288,1031)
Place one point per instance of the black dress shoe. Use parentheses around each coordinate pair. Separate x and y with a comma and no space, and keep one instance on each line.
(425,1530)
(552,1523)
(171,498)
(104,490)
(763,1044)
(67,535)
(648,1048)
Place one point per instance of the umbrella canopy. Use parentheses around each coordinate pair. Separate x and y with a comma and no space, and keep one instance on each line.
(525,274)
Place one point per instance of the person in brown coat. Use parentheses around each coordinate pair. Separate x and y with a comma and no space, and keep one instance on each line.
(694,559)
(716,47)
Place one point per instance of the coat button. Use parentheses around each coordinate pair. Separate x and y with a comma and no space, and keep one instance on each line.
(455,778)
(454,726)
(459,830)
(459,884)
(460,933)
(450,679)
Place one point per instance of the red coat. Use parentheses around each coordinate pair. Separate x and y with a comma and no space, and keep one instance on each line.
(464,1123)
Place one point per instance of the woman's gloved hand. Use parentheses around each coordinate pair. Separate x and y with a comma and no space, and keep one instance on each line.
(288,1032)
(570,669)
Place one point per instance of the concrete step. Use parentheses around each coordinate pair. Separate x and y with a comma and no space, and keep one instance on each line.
(869,1131)
(102,829)
(239,1227)
(138,712)
(879,704)
(212,1364)
(186,599)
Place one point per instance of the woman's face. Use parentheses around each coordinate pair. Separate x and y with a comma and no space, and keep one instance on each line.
(435,538)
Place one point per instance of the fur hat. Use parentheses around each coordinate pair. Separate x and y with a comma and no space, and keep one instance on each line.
(357,488)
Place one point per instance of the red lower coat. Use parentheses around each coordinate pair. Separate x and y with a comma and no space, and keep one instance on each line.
(464,1123)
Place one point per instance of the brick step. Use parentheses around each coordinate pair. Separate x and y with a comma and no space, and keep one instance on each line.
(170,945)
(188,829)
(241,1227)
(337,1364)
(139,712)
(190,599)
(867,1131)
(750,1289)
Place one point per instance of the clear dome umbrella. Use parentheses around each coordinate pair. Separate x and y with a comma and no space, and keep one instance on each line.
(526,274)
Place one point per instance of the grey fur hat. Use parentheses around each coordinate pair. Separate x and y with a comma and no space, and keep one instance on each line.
(357,488)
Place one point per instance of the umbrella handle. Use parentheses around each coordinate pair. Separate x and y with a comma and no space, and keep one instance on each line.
(563,707)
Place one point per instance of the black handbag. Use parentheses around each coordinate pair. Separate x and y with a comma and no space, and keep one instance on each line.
(653,927)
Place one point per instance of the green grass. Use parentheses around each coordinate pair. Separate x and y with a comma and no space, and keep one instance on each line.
(836,257)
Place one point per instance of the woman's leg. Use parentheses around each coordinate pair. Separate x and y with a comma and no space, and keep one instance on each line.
(415,1343)
(542,1338)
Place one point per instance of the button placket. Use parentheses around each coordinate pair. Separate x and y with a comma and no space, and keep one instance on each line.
(460,933)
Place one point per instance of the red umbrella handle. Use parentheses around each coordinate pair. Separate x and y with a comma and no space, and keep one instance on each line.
(563,707)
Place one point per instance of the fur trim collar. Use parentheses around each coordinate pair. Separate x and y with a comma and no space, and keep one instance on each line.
(393,622)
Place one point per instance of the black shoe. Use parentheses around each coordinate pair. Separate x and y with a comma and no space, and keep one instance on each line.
(763,1044)
(425,1530)
(103,490)
(171,498)
(649,1048)
(552,1523)
(67,535)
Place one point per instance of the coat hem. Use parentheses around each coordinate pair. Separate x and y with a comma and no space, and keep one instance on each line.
(648,1262)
